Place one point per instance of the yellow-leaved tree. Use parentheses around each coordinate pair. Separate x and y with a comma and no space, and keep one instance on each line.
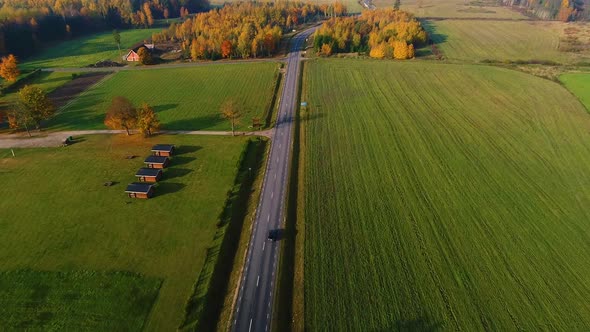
(9,68)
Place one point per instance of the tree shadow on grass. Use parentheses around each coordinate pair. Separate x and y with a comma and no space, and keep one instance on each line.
(184,149)
(421,324)
(203,122)
(433,35)
(165,188)
(173,172)
(164,107)
(177,161)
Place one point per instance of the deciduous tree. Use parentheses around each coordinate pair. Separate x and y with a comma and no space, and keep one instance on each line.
(121,114)
(231,112)
(147,120)
(117,38)
(34,105)
(226,49)
(9,68)
(145,57)
(326,50)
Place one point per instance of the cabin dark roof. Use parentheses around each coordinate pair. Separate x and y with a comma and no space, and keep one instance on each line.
(155,160)
(148,172)
(141,188)
(163,147)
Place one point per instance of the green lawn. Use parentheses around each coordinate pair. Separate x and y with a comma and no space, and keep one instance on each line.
(81,300)
(454,9)
(58,216)
(84,51)
(443,197)
(48,81)
(579,85)
(184,98)
(474,41)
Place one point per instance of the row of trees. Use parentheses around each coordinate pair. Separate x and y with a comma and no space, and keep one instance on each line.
(383,33)
(243,30)
(563,10)
(122,114)
(26,25)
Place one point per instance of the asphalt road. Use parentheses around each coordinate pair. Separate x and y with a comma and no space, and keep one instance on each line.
(253,309)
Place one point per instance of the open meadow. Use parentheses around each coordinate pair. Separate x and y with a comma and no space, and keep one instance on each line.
(579,85)
(439,196)
(474,41)
(184,98)
(80,255)
(88,50)
(454,9)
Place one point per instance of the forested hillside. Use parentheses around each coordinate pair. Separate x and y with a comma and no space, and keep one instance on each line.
(26,25)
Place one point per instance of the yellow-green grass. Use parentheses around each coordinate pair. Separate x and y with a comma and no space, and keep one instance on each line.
(454,9)
(579,85)
(473,40)
(444,197)
(84,51)
(184,98)
(58,216)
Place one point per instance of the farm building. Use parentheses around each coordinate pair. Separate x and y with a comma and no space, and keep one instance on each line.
(140,190)
(149,174)
(163,150)
(156,161)
(132,56)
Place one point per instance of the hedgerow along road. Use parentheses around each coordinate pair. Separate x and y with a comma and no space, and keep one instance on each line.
(253,309)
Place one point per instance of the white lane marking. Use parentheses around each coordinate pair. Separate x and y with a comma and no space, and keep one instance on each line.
(268,218)
(257,280)
(272,194)
(250,328)
(263,245)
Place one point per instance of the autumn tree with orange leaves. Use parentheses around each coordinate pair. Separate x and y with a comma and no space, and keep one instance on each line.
(9,68)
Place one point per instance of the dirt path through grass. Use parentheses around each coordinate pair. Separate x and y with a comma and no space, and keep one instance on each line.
(52,139)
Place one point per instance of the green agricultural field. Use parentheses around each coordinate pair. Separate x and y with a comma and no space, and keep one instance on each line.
(48,81)
(454,9)
(58,217)
(443,197)
(84,51)
(474,41)
(578,84)
(185,98)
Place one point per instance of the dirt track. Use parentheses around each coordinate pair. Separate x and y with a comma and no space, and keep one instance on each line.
(62,95)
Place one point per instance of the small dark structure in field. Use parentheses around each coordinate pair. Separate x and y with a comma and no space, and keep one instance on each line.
(156,161)
(149,174)
(163,150)
(140,190)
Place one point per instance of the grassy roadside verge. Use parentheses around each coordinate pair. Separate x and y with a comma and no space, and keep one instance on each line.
(224,321)
(206,304)
(271,111)
(289,305)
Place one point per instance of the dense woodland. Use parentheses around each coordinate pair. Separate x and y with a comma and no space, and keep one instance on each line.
(243,30)
(383,33)
(563,10)
(27,25)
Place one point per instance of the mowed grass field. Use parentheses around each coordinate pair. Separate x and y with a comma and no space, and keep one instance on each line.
(454,9)
(579,85)
(88,50)
(57,216)
(474,41)
(48,81)
(184,98)
(443,197)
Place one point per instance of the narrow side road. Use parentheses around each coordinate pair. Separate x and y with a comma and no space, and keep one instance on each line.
(254,305)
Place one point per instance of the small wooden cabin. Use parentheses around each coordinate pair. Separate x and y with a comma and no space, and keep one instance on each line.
(140,190)
(163,150)
(157,161)
(149,174)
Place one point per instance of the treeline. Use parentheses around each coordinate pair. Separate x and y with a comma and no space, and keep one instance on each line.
(563,10)
(243,30)
(382,33)
(27,25)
